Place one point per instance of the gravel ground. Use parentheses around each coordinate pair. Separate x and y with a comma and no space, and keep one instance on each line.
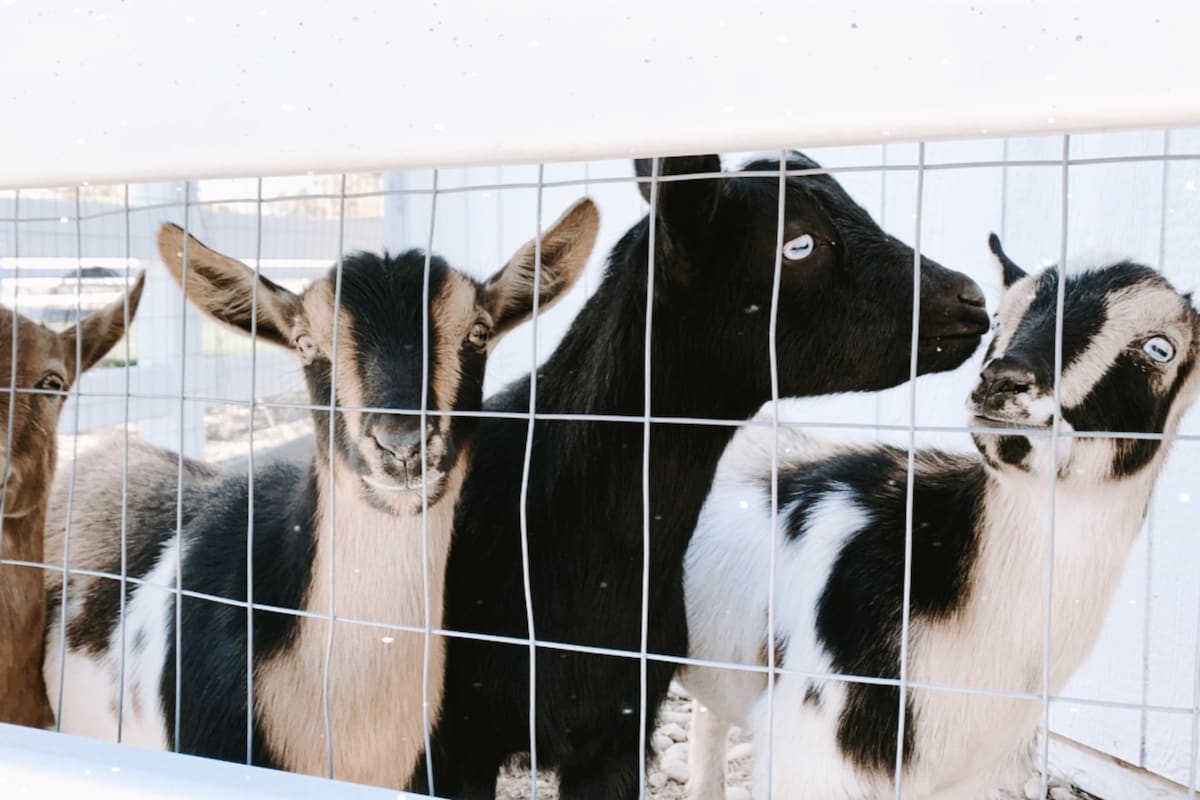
(667,775)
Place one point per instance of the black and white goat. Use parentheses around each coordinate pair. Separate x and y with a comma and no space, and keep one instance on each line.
(843,279)
(980,532)
(358,508)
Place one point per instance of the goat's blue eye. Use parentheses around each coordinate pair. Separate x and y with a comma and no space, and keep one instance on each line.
(799,248)
(1159,349)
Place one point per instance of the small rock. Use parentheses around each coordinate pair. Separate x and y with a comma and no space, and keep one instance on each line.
(737,793)
(662,741)
(675,731)
(678,717)
(743,750)
(677,751)
(674,762)
(674,767)
(656,780)
(1031,787)
(1061,793)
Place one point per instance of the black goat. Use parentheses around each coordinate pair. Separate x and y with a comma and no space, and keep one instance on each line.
(844,324)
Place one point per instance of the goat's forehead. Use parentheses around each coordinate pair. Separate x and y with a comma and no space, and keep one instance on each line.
(1121,292)
(391,295)
(35,343)
(1104,311)
(1152,308)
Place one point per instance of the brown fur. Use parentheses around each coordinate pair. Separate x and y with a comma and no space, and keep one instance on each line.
(29,462)
(572,235)
(454,313)
(225,287)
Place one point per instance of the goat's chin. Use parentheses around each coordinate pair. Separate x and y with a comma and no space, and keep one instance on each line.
(404,496)
(944,353)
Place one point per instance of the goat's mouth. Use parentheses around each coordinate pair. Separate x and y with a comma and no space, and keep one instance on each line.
(945,351)
(983,417)
(937,335)
(939,341)
(389,484)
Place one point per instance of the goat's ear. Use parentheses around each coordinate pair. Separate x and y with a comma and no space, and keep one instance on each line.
(1190,299)
(102,329)
(644,169)
(566,245)
(684,209)
(223,287)
(1012,273)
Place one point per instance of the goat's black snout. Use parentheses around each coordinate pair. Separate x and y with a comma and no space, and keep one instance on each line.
(952,305)
(396,441)
(970,293)
(1001,380)
(402,443)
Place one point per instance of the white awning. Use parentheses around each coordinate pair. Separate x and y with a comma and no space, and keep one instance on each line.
(110,91)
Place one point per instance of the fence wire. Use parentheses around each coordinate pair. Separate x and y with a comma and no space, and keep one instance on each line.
(253,403)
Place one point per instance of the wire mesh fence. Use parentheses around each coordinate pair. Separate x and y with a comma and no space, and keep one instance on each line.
(223,408)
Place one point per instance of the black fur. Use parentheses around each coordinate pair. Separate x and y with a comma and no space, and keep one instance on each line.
(714,262)
(859,614)
(1013,450)
(1012,272)
(212,705)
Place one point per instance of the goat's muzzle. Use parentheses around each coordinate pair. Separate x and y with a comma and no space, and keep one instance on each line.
(1009,394)
(393,455)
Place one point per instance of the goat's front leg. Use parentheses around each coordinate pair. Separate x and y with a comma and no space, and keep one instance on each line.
(614,778)
(706,754)
(23,698)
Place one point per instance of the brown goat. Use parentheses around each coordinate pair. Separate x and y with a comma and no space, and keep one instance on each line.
(46,361)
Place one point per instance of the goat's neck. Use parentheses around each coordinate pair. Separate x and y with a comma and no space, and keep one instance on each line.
(600,366)
(375,556)
(24,531)
(1094,526)
(369,564)
(23,699)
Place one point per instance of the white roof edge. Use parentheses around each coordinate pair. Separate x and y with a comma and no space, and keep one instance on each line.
(137,91)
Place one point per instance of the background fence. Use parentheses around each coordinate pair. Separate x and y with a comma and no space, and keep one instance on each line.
(1130,194)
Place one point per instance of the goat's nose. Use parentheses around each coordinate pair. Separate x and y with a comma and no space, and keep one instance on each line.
(401,443)
(970,293)
(1002,376)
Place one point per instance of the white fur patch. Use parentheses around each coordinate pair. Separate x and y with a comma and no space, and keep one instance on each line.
(726,583)
(91,691)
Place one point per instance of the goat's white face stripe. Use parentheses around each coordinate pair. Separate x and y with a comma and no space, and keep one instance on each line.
(1133,313)
(1012,310)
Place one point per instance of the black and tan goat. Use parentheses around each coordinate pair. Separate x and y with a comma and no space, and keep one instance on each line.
(981,528)
(345,531)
